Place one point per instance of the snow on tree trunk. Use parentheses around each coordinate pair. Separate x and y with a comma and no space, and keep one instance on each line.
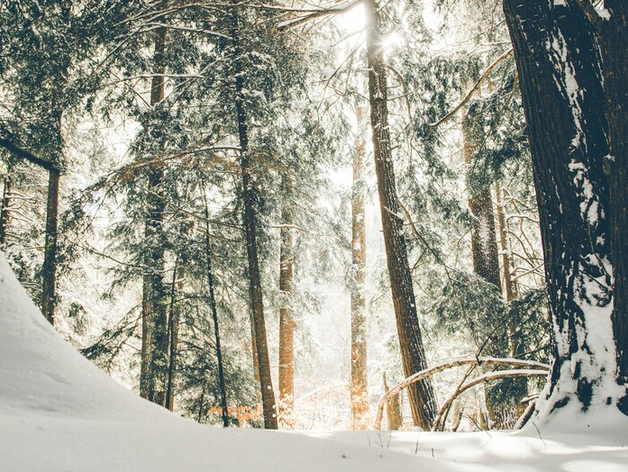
(359,381)
(612,28)
(422,398)
(561,89)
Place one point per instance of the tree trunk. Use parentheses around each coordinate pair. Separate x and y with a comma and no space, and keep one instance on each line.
(49,272)
(250,228)
(359,380)
(173,335)
(5,211)
(286,318)
(214,311)
(154,352)
(613,40)
(422,398)
(510,286)
(393,409)
(561,87)
(483,238)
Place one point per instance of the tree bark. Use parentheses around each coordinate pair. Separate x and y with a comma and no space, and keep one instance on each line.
(510,286)
(359,380)
(286,317)
(422,398)
(483,237)
(173,335)
(5,212)
(613,39)
(49,271)
(154,352)
(250,228)
(561,86)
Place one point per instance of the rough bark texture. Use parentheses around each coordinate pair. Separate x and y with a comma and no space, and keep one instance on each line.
(154,351)
(49,271)
(422,398)
(359,381)
(561,89)
(483,238)
(613,40)
(5,211)
(286,317)
(250,228)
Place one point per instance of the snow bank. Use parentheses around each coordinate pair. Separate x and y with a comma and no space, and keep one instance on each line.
(60,413)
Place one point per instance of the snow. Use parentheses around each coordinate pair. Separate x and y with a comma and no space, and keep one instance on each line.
(60,413)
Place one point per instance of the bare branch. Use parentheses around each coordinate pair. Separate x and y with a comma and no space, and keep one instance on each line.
(448,364)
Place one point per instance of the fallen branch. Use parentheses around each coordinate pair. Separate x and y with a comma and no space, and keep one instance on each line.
(499,374)
(448,364)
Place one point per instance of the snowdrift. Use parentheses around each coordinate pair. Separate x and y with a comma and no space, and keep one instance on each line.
(59,413)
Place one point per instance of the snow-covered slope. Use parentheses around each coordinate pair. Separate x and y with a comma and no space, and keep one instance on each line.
(58,413)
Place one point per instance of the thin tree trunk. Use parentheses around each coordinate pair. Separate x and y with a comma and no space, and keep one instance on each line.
(393,409)
(286,317)
(154,352)
(49,276)
(214,311)
(510,286)
(561,86)
(5,212)
(173,337)
(422,397)
(359,381)
(250,227)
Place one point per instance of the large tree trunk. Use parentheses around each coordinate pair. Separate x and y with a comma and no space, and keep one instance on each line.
(483,238)
(250,229)
(5,211)
(613,39)
(422,398)
(359,380)
(49,272)
(286,318)
(561,87)
(154,352)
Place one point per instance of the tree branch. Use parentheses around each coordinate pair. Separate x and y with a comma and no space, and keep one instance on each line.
(475,88)
(27,155)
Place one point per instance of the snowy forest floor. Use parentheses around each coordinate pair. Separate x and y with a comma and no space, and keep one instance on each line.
(60,413)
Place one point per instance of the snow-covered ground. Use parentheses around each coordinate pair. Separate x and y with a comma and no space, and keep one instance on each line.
(59,413)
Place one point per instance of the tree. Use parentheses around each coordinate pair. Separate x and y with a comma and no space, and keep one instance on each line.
(422,398)
(286,316)
(359,379)
(483,238)
(250,226)
(563,66)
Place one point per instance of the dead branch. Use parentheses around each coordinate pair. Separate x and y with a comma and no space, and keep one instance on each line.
(448,364)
